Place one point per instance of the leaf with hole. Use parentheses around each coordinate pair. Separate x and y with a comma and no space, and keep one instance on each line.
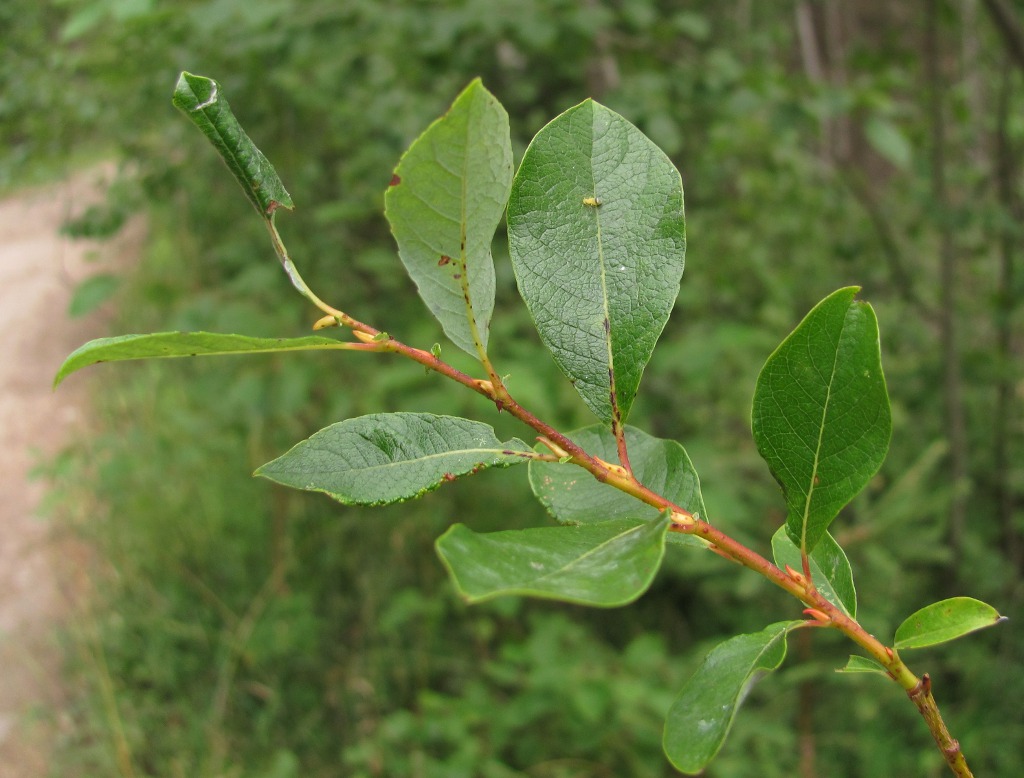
(597,241)
(390,457)
(944,621)
(444,203)
(606,565)
(821,416)
(701,716)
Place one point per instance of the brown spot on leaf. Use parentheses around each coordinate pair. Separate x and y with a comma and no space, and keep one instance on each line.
(444,260)
(457,275)
(395,180)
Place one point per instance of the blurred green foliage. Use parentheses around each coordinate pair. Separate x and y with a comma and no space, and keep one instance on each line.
(240,630)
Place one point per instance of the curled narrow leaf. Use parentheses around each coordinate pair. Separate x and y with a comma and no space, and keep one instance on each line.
(603,565)
(701,716)
(821,416)
(390,457)
(597,241)
(444,203)
(830,569)
(943,621)
(573,496)
(202,100)
(184,344)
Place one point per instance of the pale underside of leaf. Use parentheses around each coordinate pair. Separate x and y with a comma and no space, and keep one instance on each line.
(602,565)
(445,201)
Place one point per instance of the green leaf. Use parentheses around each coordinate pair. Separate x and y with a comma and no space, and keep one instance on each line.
(446,198)
(702,714)
(943,621)
(390,457)
(597,241)
(889,141)
(830,569)
(202,100)
(604,565)
(821,415)
(92,293)
(862,664)
(184,344)
(574,496)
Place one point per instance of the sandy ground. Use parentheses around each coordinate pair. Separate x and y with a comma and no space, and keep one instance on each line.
(39,269)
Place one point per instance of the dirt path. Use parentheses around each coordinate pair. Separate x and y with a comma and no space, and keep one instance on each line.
(39,269)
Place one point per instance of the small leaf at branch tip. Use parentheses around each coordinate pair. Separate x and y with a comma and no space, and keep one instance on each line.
(435,350)
(380,337)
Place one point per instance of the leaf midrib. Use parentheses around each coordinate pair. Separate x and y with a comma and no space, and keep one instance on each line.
(821,436)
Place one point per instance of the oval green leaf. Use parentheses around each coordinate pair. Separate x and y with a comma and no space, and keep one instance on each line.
(161,345)
(702,714)
(202,100)
(830,569)
(944,621)
(597,241)
(573,496)
(603,565)
(821,416)
(446,198)
(390,457)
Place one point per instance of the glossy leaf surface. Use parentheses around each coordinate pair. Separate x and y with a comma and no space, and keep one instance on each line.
(574,496)
(184,344)
(597,240)
(821,416)
(446,198)
(830,569)
(389,457)
(943,621)
(604,565)
(202,100)
(702,714)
